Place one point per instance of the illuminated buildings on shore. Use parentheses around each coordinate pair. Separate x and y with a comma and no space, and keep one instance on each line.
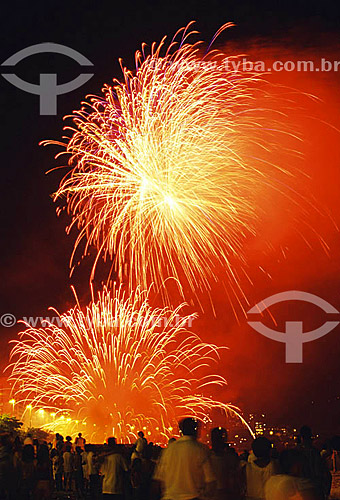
(279,435)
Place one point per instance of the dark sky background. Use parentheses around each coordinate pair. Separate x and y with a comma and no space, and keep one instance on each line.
(36,250)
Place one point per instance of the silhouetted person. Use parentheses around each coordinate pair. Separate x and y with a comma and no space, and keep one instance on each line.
(85,467)
(93,472)
(28,472)
(68,466)
(43,474)
(16,470)
(139,446)
(57,468)
(78,472)
(4,466)
(136,479)
(148,469)
(315,468)
(290,483)
(80,441)
(68,443)
(226,465)
(60,443)
(184,470)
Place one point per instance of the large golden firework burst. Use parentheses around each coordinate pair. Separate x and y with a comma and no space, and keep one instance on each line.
(171,168)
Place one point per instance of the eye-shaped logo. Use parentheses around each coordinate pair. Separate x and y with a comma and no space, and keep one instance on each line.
(293,337)
(48,90)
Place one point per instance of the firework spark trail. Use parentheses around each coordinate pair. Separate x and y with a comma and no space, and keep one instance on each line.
(165,173)
(117,365)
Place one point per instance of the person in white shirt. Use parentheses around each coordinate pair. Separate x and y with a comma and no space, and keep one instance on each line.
(184,470)
(139,446)
(113,468)
(289,484)
(260,469)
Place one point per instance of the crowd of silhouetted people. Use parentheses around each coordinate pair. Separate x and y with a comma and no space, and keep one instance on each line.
(185,470)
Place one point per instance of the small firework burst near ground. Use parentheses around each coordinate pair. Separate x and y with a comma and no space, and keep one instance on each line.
(117,367)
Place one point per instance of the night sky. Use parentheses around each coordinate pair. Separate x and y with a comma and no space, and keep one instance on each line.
(36,249)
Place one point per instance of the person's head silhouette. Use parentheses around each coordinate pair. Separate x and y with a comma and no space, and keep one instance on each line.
(112,443)
(306,434)
(219,439)
(261,447)
(189,427)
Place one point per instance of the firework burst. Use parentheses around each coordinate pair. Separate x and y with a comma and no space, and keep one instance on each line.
(165,173)
(117,367)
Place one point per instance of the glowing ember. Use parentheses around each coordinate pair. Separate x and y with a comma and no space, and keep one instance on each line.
(115,368)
